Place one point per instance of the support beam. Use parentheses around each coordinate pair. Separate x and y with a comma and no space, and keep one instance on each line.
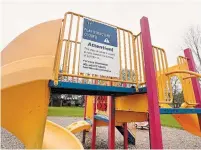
(111,127)
(150,74)
(125,136)
(85,111)
(93,140)
(195,82)
(180,111)
(83,137)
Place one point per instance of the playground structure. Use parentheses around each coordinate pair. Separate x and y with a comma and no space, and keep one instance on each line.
(46,57)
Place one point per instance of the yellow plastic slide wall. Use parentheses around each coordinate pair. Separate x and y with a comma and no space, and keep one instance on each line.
(27,66)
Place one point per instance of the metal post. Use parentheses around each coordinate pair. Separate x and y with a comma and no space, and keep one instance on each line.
(149,131)
(152,91)
(125,135)
(85,109)
(195,82)
(93,140)
(111,127)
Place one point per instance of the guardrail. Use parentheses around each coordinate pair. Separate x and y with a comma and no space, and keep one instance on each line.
(163,81)
(131,60)
(68,55)
(185,79)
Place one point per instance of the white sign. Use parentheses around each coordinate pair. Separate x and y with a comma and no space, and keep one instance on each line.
(99,52)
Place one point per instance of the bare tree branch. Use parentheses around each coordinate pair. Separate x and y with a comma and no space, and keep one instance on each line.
(192,40)
(174,83)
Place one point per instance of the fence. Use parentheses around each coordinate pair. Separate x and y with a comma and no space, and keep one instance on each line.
(131,60)
(185,80)
(68,55)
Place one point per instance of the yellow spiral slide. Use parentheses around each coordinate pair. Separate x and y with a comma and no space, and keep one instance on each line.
(27,66)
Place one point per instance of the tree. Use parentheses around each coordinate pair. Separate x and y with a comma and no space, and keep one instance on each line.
(128,76)
(192,40)
(177,93)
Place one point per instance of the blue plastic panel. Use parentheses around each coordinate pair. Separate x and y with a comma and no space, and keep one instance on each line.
(102,118)
(92,89)
(180,110)
(131,138)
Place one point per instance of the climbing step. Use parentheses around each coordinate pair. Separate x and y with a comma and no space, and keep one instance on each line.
(79,126)
(102,118)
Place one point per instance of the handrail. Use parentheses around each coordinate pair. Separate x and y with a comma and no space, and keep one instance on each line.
(182,57)
(101,78)
(98,21)
(68,46)
(184,71)
(191,76)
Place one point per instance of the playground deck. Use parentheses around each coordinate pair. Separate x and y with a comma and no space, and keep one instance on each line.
(93,89)
(127,79)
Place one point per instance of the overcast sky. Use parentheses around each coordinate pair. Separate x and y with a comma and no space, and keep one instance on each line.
(169,20)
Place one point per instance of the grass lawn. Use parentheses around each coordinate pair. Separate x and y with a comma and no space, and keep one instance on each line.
(169,121)
(66,111)
(166,120)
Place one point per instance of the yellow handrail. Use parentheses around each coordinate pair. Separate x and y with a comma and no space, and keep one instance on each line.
(68,52)
(99,78)
(184,71)
(191,76)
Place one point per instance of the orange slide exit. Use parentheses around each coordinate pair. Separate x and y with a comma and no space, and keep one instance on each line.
(189,122)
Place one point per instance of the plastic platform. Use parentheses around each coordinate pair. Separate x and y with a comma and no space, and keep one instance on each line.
(92,89)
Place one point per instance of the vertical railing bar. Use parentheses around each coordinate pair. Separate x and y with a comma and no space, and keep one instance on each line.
(163,70)
(169,83)
(158,60)
(57,63)
(119,39)
(163,66)
(139,59)
(154,52)
(69,55)
(68,42)
(125,55)
(166,62)
(178,62)
(78,71)
(156,66)
(57,50)
(183,60)
(185,81)
(135,60)
(131,77)
(159,66)
(143,69)
(76,40)
(65,50)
